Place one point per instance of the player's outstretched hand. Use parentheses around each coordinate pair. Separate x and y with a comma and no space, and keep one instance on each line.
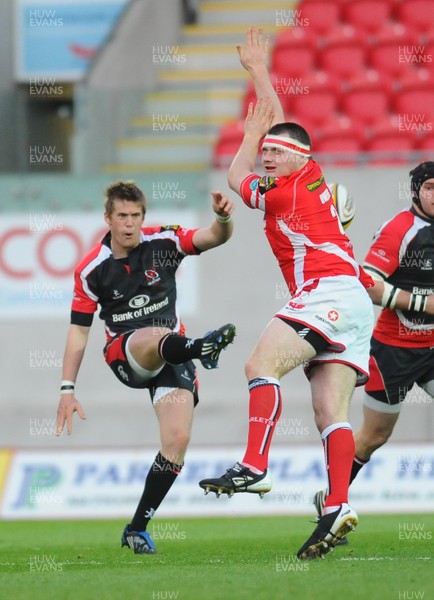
(68,405)
(254,52)
(222,205)
(259,119)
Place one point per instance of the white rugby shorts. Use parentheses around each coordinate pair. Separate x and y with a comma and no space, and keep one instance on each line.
(340,310)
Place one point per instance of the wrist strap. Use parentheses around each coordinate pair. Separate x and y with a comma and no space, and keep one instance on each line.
(67,387)
(417,302)
(221,219)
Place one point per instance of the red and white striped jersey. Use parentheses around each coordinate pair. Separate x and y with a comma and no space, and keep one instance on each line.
(302,226)
(402,254)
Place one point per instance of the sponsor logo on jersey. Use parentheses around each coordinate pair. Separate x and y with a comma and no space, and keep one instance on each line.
(325,197)
(141,311)
(116,295)
(254,184)
(327,322)
(186,375)
(295,305)
(381,254)
(333,315)
(423,291)
(170,228)
(122,373)
(267,183)
(152,277)
(139,301)
(315,184)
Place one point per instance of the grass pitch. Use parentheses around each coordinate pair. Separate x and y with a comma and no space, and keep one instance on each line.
(389,557)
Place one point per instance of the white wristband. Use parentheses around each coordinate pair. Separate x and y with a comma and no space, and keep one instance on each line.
(67,387)
(417,302)
(221,219)
(389,296)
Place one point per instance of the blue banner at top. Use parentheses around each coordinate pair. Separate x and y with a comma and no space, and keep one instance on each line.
(59,39)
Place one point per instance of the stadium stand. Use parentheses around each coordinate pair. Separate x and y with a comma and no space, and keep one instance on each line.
(358,59)
(416,13)
(367,15)
(343,51)
(367,95)
(389,143)
(294,53)
(319,16)
(315,98)
(366,66)
(205,63)
(342,138)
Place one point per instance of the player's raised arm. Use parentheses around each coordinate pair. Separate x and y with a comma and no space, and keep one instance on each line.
(221,227)
(76,342)
(258,122)
(254,58)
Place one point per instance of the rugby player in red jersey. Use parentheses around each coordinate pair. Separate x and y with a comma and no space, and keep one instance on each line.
(327,323)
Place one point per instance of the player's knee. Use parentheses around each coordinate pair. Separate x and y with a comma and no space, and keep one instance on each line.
(376,438)
(251,369)
(178,440)
(256,367)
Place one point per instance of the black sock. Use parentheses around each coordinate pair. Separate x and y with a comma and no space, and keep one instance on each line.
(357,465)
(161,476)
(176,349)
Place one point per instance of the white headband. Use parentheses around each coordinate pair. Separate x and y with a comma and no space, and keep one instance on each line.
(288,144)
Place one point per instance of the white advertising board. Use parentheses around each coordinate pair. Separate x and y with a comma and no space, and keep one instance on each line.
(39,252)
(109,483)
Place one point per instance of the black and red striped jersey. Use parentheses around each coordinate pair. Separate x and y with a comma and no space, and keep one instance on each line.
(133,292)
(402,254)
(302,226)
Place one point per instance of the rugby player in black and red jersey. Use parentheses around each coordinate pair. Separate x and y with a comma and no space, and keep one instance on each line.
(401,262)
(328,321)
(131,276)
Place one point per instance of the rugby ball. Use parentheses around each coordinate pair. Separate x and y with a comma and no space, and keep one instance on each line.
(344,203)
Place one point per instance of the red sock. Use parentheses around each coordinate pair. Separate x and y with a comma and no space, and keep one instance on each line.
(264,412)
(339,449)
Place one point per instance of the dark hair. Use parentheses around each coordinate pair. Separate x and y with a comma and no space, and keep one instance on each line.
(124,190)
(293,130)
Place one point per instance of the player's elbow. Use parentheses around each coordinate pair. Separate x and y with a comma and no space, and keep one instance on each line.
(234,181)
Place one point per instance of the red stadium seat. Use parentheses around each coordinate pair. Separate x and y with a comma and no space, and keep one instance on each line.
(415,95)
(392,50)
(294,53)
(367,97)
(317,100)
(343,52)
(367,15)
(426,56)
(320,16)
(342,140)
(295,35)
(416,13)
(228,143)
(389,144)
